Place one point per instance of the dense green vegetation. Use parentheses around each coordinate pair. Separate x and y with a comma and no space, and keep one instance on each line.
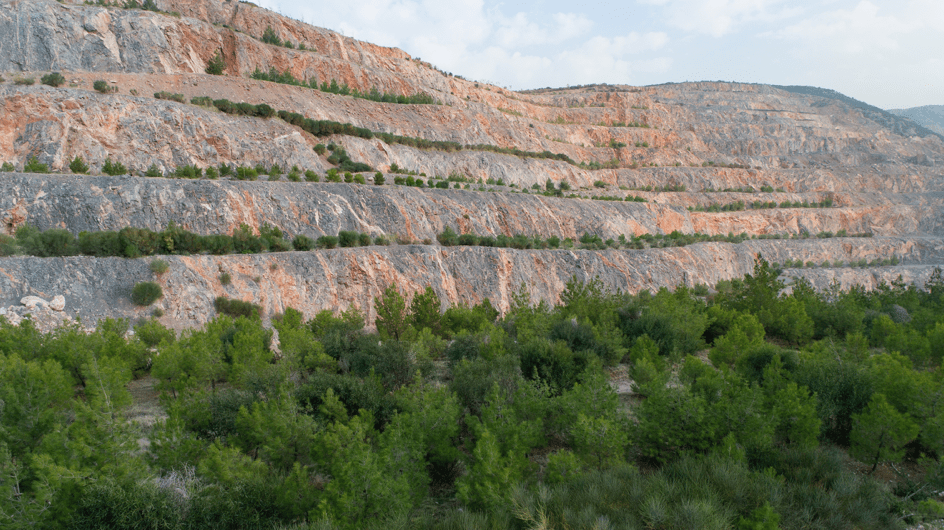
(759,205)
(133,242)
(461,419)
(588,241)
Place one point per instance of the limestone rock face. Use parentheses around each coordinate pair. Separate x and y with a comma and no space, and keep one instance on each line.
(687,149)
(341,278)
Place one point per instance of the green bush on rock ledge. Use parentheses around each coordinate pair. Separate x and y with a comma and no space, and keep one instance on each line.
(146,293)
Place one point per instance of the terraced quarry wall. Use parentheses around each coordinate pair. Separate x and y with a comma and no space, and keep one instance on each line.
(721,143)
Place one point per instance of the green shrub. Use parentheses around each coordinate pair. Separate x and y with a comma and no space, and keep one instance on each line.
(327,242)
(153,171)
(203,101)
(35,166)
(7,167)
(102,86)
(348,238)
(100,244)
(8,245)
(311,176)
(153,333)
(237,308)
(216,64)
(303,243)
(225,278)
(146,293)
(114,168)
(359,179)
(320,149)
(212,172)
(159,266)
(379,178)
(52,242)
(112,503)
(170,96)
(24,81)
(53,79)
(448,237)
(269,37)
(246,173)
(78,166)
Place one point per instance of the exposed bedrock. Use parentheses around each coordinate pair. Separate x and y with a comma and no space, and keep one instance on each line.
(95,288)
(214,207)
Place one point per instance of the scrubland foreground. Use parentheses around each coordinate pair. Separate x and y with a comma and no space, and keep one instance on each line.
(741,407)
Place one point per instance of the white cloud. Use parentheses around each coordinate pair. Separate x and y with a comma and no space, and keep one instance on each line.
(721,17)
(855,30)
(880,53)
(480,42)
(520,31)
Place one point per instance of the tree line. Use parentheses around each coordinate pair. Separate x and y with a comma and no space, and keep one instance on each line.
(751,407)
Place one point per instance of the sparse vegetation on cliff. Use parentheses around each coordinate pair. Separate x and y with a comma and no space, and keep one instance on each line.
(146,293)
(102,86)
(286,78)
(114,168)
(33,165)
(53,79)
(217,64)
(78,166)
(237,308)
(759,205)
(328,128)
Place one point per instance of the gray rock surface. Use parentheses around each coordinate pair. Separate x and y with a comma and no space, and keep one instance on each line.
(336,279)
(215,207)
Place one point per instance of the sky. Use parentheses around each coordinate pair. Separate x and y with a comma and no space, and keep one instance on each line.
(888,53)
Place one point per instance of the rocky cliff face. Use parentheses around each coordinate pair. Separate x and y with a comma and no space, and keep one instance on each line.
(95,288)
(718,143)
(110,203)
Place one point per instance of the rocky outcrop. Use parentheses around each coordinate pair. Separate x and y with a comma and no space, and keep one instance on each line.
(57,125)
(340,278)
(80,203)
(719,143)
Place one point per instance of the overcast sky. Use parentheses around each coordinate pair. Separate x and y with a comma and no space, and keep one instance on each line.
(884,52)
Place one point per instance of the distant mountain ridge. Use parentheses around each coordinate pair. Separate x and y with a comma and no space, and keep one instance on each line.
(930,116)
(898,122)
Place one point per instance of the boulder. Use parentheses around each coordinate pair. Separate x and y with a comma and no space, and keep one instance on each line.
(58,303)
(33,302)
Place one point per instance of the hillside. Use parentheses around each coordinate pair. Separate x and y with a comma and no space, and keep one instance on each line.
(705,158)
(257,275)
(930,116)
